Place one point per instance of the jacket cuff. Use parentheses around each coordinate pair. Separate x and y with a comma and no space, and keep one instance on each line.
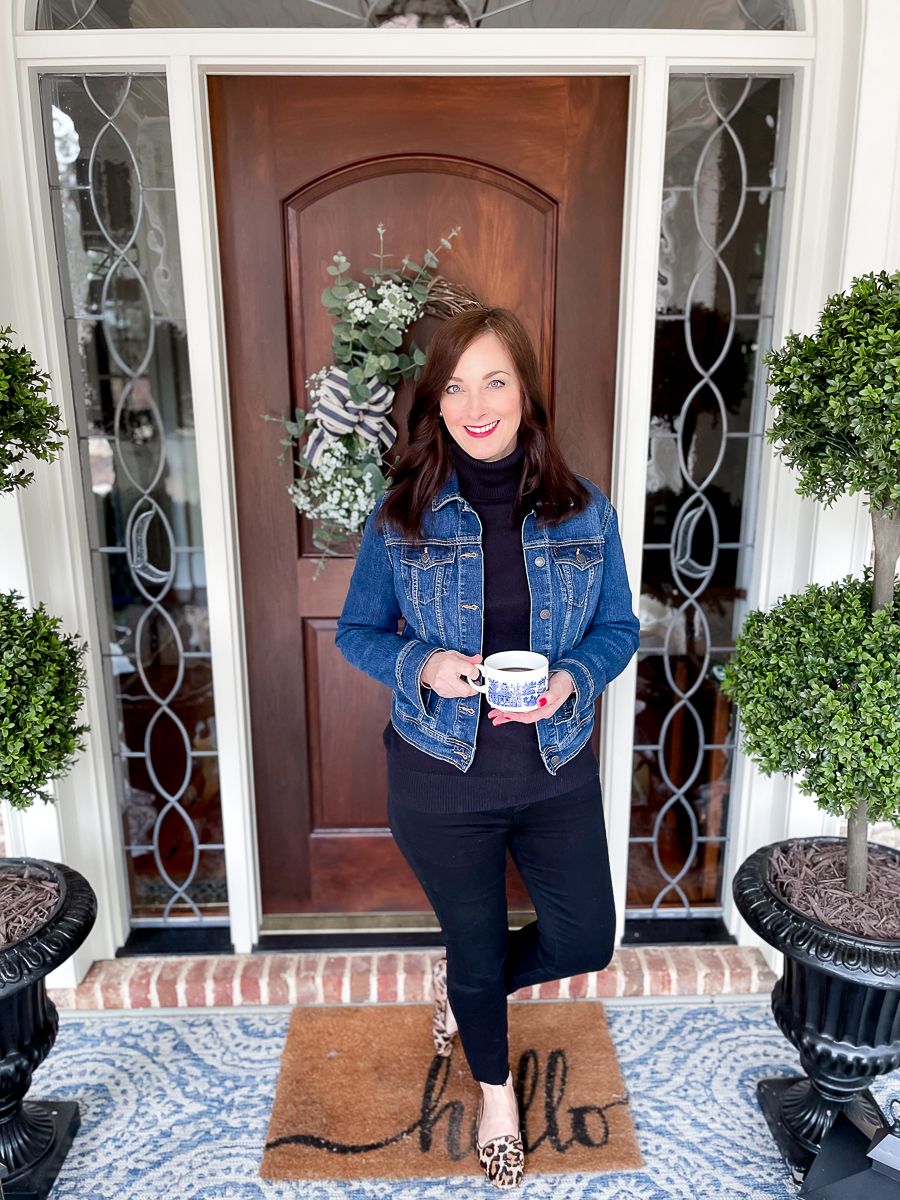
(585,690)
(410,664)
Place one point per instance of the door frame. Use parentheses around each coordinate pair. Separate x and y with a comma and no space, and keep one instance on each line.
(833,227)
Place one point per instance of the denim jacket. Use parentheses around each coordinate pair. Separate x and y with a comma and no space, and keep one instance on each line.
(581,618)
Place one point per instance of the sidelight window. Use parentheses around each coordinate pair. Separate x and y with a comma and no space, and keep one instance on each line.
(114,218)
(721,217)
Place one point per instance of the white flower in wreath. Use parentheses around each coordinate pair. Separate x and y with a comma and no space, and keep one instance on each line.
(332,494)
(398,304)
(359,306)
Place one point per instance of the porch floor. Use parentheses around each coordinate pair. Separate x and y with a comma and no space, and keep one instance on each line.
(177,1104)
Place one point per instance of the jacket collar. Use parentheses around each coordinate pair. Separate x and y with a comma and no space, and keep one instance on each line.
(450,491)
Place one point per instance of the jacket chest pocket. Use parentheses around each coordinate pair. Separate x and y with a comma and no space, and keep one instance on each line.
(425,571)
(577,566)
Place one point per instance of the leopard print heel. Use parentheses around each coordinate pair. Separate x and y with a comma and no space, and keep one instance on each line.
(502,1158)
(443,1041)
(503,1161)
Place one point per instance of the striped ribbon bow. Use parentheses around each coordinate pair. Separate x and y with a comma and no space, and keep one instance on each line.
(337,414)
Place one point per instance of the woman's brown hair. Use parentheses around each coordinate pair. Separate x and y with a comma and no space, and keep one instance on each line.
(425,465)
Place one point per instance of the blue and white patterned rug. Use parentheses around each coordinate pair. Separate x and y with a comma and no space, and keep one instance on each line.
(177,1106)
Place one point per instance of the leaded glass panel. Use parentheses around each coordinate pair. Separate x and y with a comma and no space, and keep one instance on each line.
(721,207)
(448,14)
(113,202)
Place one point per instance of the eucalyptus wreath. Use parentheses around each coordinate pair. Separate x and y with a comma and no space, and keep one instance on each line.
(29,422)
(343,437)
(819,692)
(42,678)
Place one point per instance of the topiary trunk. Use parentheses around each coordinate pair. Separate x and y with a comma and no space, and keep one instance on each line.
(886,536)
(886,531)
(858,848)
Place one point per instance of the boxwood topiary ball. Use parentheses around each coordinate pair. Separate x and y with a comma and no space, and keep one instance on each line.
(818,686)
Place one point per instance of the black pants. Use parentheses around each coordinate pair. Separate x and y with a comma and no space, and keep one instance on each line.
(559,846)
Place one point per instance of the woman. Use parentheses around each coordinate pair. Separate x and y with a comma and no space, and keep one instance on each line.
(486,541)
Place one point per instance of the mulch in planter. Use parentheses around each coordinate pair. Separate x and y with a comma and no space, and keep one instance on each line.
(813,879)
(26,901)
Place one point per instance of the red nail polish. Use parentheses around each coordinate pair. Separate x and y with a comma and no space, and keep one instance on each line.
(542,701)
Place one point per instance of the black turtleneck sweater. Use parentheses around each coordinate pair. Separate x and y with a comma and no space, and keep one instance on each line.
(507,769)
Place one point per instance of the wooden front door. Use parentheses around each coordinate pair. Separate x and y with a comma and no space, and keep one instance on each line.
(532,169)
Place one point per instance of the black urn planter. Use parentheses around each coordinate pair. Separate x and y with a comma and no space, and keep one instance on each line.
(838,1002)
(35,1136)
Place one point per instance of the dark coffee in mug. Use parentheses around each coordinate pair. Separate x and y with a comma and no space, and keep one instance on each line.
(521,694)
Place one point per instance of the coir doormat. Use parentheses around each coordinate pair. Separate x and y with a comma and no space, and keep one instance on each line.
(361,1094)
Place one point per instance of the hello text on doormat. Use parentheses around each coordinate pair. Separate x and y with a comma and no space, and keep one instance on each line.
(361,1094)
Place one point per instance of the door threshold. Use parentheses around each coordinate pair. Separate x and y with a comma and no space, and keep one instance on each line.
(144,941)
(373,922)
(312,932)
(347,939)
(677,931)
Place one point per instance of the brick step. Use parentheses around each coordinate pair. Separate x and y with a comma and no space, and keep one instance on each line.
(390,977)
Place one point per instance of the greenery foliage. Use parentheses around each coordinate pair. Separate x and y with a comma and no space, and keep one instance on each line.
(41,683)
(370,318)
(818,686)
(29,423)
(837,396)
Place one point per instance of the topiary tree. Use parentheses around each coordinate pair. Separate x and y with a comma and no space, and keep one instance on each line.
(837,423)
(29,423)
(42,678)
(818,686)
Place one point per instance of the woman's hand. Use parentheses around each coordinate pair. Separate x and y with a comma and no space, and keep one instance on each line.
(442,673)
(559,688)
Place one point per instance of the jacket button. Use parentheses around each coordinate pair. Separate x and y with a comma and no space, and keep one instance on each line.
(539,562)
(545,614)
(554,761)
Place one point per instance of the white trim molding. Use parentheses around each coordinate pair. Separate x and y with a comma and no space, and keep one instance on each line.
(637,331)
(206,340)
(82,827)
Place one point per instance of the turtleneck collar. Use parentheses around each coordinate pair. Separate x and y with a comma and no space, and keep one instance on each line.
(479,480)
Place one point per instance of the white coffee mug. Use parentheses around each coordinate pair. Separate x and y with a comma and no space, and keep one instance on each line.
(514,680)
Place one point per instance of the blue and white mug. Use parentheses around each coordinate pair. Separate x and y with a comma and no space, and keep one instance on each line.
(514,680)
